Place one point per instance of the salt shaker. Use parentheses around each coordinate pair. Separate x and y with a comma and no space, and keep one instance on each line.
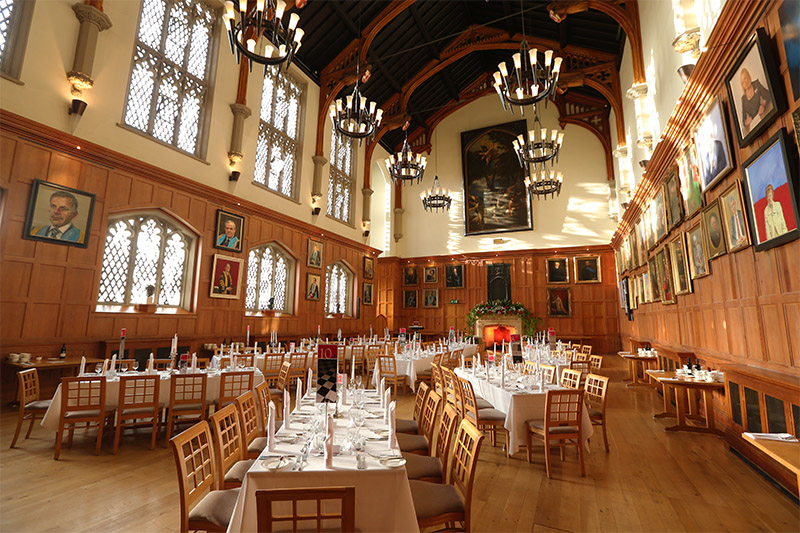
(361,461)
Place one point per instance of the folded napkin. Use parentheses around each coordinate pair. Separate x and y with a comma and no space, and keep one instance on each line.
(382,390)
(113,363)
(343,393)
(151,363)
(105,366)
(298,394)
(310,377)
(392,426)
(83,366)
(503,375)
(271,427)
(329,443)
(255,347)
(463,363)
(286,409)
(194,362)
(386,399)
(233,361)
(784,437)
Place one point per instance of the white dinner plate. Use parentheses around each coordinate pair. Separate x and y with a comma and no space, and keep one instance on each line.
(278,462)
(393,462)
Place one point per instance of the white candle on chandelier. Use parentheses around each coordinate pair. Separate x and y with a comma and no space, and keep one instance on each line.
(294,18)
(557,64)
(548,58)
(298,36)
(279,8)
(243,6)
(260,6)
(251,45)
(503,70)
(282,50)
(517,61)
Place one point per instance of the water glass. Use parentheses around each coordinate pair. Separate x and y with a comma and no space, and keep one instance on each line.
(124,367)
(135,366)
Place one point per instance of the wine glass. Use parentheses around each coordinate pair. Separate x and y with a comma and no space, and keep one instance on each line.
(98,368)
(124,367)
(135,366)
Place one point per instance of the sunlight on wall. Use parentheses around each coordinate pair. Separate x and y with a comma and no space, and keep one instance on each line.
(455,231)
(707,14)
(387,215)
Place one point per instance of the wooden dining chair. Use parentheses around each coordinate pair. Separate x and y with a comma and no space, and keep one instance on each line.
(387,367)
(254,438)
(83,401)
(231,462)
(30,404)
(138,406)
(307,506)
(529,368)
(299,364)
(203,507)
(548,373)
(161,364)
(233,385)
(437,383)
(490,419)
(596,363)
(586,350)
(187,400)
(445,504)
(595,391)
(358,358)
(373,352)
(247,360)
(561,425)
(283,379)
(422,443)
(434,468)
(570,378)
(404,425)
(452,390)
(272,368)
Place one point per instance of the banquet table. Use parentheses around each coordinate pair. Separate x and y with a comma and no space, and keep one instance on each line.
(383,494)
(519,406)
(50,420)
(409,367)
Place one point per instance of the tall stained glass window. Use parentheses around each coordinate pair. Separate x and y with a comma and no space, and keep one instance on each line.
(270,279)
(340,180)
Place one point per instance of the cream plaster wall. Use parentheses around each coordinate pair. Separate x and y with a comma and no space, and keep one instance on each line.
(45,95)
(579,216)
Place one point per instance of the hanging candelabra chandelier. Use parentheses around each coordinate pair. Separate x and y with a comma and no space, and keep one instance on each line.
(544,181)
(538,145)
(405,166)
(260,35)
(436,198)
(530,81)
(354,116)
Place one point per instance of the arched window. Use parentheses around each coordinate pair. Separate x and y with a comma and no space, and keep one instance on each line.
(146,252)
(15,21)
(270,279)
(340,178)
(338,289)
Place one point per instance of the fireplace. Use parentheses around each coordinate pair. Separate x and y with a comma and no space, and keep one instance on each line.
(495,335)
(493,329)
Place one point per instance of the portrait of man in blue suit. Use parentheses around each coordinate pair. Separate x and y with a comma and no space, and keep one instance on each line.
(63,209)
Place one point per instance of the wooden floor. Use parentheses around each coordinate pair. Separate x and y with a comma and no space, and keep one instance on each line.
(650,481)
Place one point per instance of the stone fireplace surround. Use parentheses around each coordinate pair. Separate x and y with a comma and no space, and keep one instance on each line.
(508,321)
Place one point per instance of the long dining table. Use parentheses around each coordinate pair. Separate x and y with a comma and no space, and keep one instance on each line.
(382,493)
(51,416)
(519,405)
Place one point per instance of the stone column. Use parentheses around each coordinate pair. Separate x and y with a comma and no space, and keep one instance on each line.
(398,223)
(240,112)
(92,22)
(366,215)
(316,185)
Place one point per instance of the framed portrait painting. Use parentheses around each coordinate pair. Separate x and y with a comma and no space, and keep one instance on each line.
(680,266)
(454,276)
(58,214)
(366,294)
(641,242)
(410,299)
(226,276)
(587,269)
(712,229)
(691,181)
(737,235)
(647,290)
(698,256)
(430,298)
(559,302)
(369,267)
(770,197)
(713,144)
(754,89)
(557,269)
(229,231)
(666,288)
(655,289)
(659,217)
(410,275)
(312,286)
(673,200)
(494,183)
(314,254)
(431,274)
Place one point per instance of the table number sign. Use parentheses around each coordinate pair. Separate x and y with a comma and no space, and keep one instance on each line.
(327,372)
(402,335)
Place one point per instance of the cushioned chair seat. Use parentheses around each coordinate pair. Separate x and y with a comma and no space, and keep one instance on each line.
(435,499)
(258,444)
(539,424)
(491,415)
(189,407)
(276,393)
(142,411)
(404,425)
(39,405)
(594,413)
(480,403)
(86,414)
(422,466)
(238,470)
(216,507)
(412,443)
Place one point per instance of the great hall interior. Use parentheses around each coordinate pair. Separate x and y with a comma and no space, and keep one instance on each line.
(413,265)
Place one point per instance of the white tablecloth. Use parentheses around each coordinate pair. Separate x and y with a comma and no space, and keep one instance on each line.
(383,495)
(519,407)
(50,420)
(409,368)
(216,360)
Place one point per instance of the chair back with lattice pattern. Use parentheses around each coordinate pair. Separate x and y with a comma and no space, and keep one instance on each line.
(373,352)
(570,378)
(246,360)
(283,377)
(272,365)
(307,506)
(138,392)
(161,364)
(28,386)
(444,438)
(357,354)
(455,358)
(436,379)
(596,363)
(529,368)
(264,397)
(188,389)
(419,400)
(427,426)
(586,350)
(83,394)
(228,438)
(234,384)
(548,373)
(194,459)
(470,404)
(563,408)
(463,464)
(248,416)
(595,390)
(299,361)
(451,394)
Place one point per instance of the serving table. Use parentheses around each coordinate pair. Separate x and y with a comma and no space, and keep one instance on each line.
(383,495)
(685,387)
(635,360)
(786,453)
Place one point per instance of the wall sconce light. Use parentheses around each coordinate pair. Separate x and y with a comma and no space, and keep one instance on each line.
(77,107)
(365,227)
(643,163)
(234,176)
(685,71)
(315,207)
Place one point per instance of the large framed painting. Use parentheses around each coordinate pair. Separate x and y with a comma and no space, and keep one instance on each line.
(655,290)
(770,197)
(430,298)
(59,214)
(369,267)
(673,200)
(754,89)
(313,282)
(226,277)
(410,299)
(713,145)
(314,254)
(712,229)
(559,302)
(666,289)
(698,256)
(647,289)
(680,266)
(410,275)
(230,229)
(587,269)
(494,183)
(430,274)
(558,269)
(454,276)
(658,217)
(691,181)
(737,236)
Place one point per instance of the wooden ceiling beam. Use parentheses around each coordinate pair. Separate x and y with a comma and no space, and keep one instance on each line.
(344,18)
(423,29)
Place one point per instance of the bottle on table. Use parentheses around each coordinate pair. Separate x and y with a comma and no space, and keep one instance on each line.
(63,354)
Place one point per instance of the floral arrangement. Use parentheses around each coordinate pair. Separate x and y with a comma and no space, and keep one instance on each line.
(503,307)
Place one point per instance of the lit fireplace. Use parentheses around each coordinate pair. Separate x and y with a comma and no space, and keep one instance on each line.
(495,335)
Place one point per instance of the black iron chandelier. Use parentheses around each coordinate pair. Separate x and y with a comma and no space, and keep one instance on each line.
(260,35)
(405,166)
(354,116)
(530,81)
(538,145)
(436,198)
(544,181)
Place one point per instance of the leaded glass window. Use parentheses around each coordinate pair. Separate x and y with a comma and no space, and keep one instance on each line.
(146,250)
(6,20)
(278,132)
(270,279)
(340,180)
(15,20)
(170,76)
(338,287)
